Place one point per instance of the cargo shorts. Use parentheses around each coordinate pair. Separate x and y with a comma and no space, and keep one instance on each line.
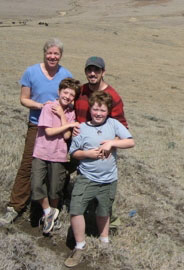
(86,190)
(47,179)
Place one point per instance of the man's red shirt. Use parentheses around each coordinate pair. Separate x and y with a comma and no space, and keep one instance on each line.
(82,105)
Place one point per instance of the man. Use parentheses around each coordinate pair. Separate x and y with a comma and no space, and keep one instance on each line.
(39,84)
(95,71)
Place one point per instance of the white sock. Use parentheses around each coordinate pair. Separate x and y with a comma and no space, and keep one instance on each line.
(80,245)
(104,239)
(46,211)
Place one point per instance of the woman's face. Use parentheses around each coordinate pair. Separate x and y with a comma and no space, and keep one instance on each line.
(52,57)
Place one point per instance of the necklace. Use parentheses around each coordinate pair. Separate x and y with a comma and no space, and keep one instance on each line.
(98,128)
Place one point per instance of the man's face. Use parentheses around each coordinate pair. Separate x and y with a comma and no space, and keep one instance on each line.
(66,96)
(94,74)
(52,57)
(99,113)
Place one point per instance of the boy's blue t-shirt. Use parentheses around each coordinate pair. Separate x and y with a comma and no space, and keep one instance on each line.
(42,89)
(90,137)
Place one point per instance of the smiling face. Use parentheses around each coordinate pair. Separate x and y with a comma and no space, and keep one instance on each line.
(99,113)
(66,97)
(94,75)
(52,57)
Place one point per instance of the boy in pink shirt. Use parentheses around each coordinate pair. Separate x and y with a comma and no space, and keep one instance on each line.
(50,151)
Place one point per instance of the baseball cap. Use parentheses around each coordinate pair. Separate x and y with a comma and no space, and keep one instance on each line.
(95,61)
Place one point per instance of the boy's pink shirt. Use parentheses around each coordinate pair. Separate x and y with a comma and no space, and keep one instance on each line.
(51,148)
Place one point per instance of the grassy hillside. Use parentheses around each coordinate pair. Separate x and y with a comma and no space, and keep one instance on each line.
(144,58)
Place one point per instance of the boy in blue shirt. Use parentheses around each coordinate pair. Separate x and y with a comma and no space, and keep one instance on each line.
(95,147)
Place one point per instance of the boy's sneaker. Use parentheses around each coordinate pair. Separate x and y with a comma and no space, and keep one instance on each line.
(104,245)
(9,216)
(57,225)
(49,220)
(76,257)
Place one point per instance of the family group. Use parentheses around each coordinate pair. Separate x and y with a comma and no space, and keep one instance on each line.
(66,118)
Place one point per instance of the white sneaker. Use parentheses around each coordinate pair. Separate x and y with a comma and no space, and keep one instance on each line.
(57,225)
(9,216)
(49,220)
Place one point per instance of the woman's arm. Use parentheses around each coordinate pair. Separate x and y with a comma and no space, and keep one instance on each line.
(25,99)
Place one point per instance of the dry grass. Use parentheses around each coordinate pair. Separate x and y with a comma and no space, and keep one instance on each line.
(146,70)
(20,251)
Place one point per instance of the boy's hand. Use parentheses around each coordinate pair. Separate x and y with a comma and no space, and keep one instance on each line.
(76,131)
(105,148)
(58,110)
(95,153)
(75,125)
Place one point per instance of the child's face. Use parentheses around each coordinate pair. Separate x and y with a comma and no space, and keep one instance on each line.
(98,113)
(66,96)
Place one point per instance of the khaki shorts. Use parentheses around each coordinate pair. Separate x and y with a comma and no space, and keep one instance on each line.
(47,179)
(86,190)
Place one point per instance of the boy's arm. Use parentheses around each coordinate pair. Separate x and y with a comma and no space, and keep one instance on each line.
(120,143)
(92,153)
(104,150)
(65,126)
(63,129)
(125,138)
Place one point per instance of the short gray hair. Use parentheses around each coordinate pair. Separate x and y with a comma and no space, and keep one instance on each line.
(53,42)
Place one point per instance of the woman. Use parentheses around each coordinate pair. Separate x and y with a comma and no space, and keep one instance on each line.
(39,84)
